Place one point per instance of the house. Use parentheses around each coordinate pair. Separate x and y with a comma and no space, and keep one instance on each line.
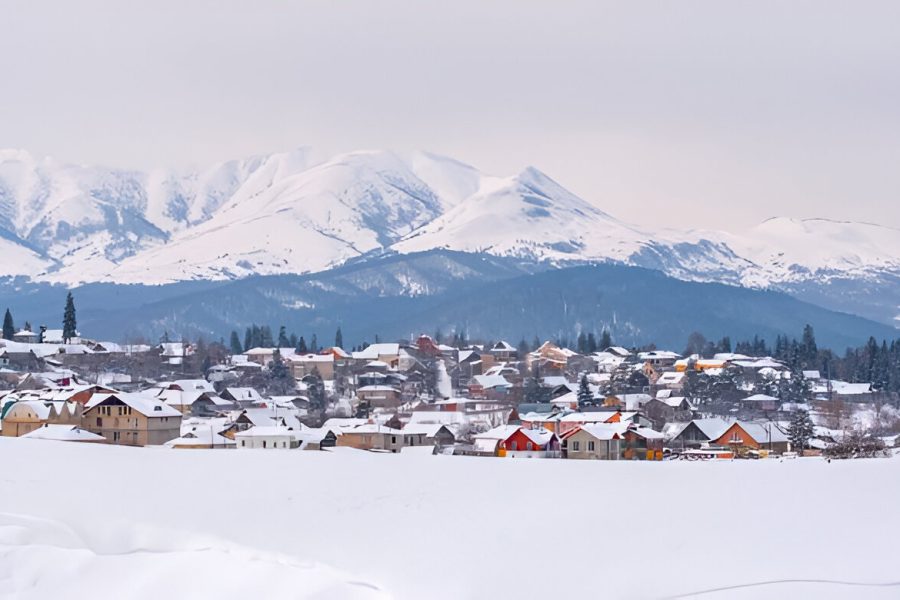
(598,441)
(642,443)
(64,433)
(174,353)
(744,434)
(375,436)
(614,441)
(504,352)
(667,409)
(550,357)
(517,441)
(697,432)
(271,437)
(494,387)
(24,416)
(629,402)
(435,434)
(202,433)
(302,365)
(381,396)
(131,419)
(194,402)
(761,402)
(26,336)
(386,353)
(242,396)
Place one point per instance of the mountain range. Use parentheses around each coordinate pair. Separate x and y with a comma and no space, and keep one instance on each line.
(295,214)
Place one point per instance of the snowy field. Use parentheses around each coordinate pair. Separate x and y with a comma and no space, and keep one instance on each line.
(81,521)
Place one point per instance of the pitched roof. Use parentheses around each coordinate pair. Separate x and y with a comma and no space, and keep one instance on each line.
(64,433)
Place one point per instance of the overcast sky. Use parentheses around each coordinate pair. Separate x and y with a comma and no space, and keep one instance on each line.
(706,114)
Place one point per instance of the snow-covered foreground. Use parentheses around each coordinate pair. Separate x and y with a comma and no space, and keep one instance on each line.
(90,521)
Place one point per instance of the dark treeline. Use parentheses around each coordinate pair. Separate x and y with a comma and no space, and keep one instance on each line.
(875,363)
(262,336)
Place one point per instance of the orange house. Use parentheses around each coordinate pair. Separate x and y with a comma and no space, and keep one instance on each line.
(736,436)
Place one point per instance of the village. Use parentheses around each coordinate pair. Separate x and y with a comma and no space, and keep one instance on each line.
(487,400)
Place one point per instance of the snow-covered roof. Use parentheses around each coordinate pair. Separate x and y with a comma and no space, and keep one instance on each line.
(492,381)
(144,404)
(603,431)
(267,431)
(316,358)
(64,433)
(373,351)
(760,398)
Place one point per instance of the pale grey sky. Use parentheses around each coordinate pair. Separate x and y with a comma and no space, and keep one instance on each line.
(713,114)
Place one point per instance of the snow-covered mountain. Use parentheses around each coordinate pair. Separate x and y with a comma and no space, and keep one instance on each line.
(289,213)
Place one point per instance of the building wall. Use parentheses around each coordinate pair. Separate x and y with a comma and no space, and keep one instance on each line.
(132,429)
(272,442)
(603,449)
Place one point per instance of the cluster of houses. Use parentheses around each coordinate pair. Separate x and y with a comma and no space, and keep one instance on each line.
(482,400)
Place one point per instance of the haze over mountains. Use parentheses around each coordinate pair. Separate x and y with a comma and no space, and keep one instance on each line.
(289,213)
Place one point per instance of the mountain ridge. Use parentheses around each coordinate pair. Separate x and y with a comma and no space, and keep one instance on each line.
(294,213)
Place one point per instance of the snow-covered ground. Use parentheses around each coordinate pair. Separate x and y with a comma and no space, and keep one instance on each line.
(83,521)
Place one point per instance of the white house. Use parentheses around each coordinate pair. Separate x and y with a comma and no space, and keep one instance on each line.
(267,437)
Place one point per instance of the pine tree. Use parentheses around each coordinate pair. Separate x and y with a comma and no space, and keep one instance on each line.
(248,339)
(313,344)
(9,328)
(277,368)
(605,340)
(800,431)
(69,323)
(301,346)
(581,343)
(591,343)
(283,341)
(585,395)
(810,350)
(339,338)
(235,343)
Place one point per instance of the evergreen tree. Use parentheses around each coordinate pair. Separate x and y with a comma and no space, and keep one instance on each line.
(235,343)
(724,345)
(800,431)
(292,341)
(248,339)
(605,340)
(277,368)
(585,395)
(339,338)
(522,349)
(315,389)
(313,344)
(301,346)
(283,341)
(9,328)
(581,343)
(27,326)
(265,337)
(809,350)
(69,323)
(591,343)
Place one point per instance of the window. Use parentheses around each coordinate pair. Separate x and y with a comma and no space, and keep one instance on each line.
(115,436)
(576,446)
(529,446)
(591,446)
(243,443)
(514,446)
(264,443)
(393,439)
(99,422)
(735,438)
